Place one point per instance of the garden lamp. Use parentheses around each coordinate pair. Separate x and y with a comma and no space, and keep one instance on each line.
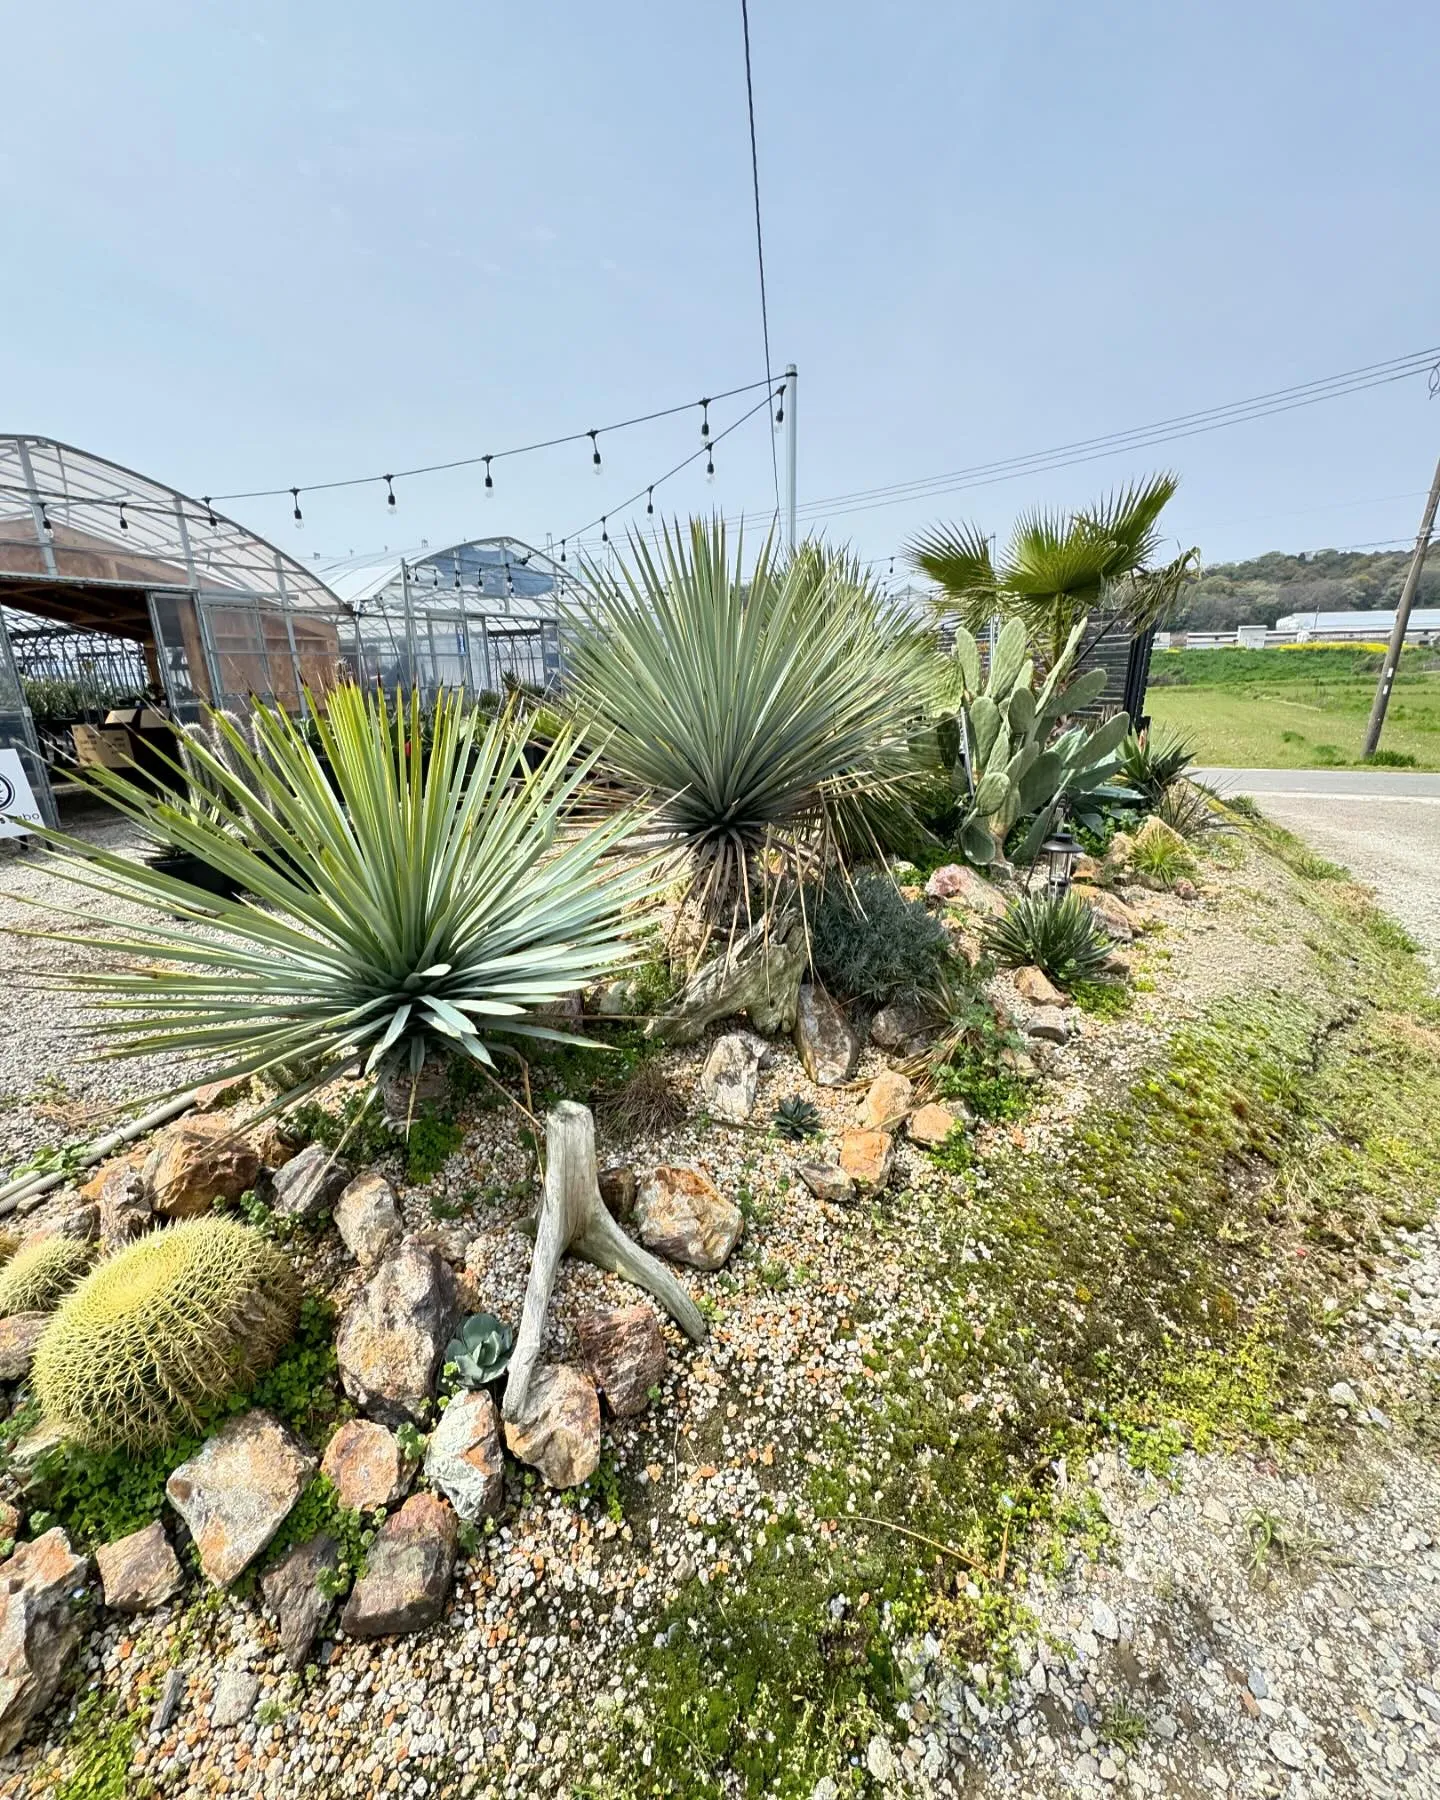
(1061,852)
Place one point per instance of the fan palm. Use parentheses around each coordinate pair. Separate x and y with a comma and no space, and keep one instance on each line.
(1058,567)
(751,712)
(394,905)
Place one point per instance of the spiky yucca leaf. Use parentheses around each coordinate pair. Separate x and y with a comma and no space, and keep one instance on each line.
(395,905)
(745,709)
(1059,935)
(162,1331)
(40,1272)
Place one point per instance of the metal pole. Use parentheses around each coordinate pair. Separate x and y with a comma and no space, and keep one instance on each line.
(792,381)
(1402,619)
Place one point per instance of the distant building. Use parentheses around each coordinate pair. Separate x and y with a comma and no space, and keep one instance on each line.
(1424,623)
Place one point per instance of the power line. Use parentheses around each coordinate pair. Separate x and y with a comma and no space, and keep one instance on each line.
(759,236)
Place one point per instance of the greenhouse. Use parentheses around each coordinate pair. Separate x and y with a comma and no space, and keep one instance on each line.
(126,605)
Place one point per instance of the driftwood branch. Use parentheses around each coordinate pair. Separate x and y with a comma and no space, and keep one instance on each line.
(573,1217)
(759,974)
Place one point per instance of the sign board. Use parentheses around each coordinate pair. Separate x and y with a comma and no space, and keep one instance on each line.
(19,809)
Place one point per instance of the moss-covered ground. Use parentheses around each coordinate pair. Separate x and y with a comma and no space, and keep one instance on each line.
(1173,1271)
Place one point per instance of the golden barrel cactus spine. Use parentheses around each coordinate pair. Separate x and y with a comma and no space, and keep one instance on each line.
(40,1272)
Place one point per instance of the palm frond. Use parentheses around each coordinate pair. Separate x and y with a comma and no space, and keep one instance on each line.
(957,558)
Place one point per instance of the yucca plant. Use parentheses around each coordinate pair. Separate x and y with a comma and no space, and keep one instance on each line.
(395,906)
(1058,934)
(1149,762)
(749,711)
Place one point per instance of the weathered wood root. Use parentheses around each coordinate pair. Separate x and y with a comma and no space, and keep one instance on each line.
(759,974)
(573,1217)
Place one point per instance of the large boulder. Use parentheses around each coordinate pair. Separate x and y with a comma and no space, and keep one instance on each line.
(959,883)
(365,1466)
(681,1214)
(139,1572)
(559,1433)
(393,1335)
(867,1157)
(731,1075)
(408,1571)
(828,1046)
(40,1627)
(236,1491)
(295,1590)
(306,1185)
(197,1162)
(368,1219)
(19,1335)
(624,1350)
(887,1100)
(465,1459)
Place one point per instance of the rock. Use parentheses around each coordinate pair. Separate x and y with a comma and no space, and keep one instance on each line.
(408,1572)
(82,1223)
(618,1188)
(365,1466)
(1048,1024)
(197,1162)
(121,1225)
(1183,888)
(613,999)
(118,1183)
(306,1185)
(560,1432)
(19,1335)
(681,1214)
(1342,1394)
(1215,1511)
(394,1333)
(1117,963)
(236,1692)
(731,1074)
(957,882)
(1287,1749)
(466,1460)
(235,1492)
(1103,1621)
(140,1571)
(624,1350)
(172,1692)
(11,1519)
(886,1101)
(293,1592)
(1035,985)
(368,1219)
(901,1024)
(828,1047)
(828,1183)
(1112,912)
(880,1760)
(35,1444)
(40,1628)
(867,1157)
(932,1124)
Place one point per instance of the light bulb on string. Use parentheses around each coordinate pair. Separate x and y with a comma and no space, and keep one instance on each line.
(299,517)
(780,410)
(595,450)
(390,499)
(210,518)
(457,574)
(604,534)
(489,480)
(45,520)
(650,500)
(710,466)
(562,550)
(705,421)
(124,522)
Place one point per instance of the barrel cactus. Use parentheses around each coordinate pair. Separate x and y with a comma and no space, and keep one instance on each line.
(9,1244)
(41,1271)
(162,1332)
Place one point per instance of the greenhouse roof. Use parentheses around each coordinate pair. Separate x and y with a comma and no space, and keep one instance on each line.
(495,575)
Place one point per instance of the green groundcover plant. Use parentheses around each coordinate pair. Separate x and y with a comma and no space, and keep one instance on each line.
(395,905)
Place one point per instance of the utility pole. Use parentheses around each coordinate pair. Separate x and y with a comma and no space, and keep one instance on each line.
(791,381)
(1402,619)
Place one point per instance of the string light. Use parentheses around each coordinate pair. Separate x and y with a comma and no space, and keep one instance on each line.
(299,516)
(650,500)
(562,549)
(390,492)
(705,419)
(209,510)
(457,574)
(604,533)
(45,520)
(595,450)
(710,466)
(489,480)
(780,410)
(124,522)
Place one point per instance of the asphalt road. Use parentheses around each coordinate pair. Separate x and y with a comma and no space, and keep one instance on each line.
(1383,825)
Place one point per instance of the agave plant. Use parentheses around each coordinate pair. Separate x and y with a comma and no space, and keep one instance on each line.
(1149,762)
(797,1119)
(401,906)
(481,1350)
(1058,934)
(1059,567)
(747,710)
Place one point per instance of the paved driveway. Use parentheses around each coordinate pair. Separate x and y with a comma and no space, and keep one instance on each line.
(1383,825)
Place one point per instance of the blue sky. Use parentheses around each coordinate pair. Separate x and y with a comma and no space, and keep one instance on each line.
(250,246)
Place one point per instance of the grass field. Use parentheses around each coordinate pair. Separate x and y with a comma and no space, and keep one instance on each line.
(1294,709)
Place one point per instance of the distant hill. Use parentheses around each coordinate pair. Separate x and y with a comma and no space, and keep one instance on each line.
(1259,591)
